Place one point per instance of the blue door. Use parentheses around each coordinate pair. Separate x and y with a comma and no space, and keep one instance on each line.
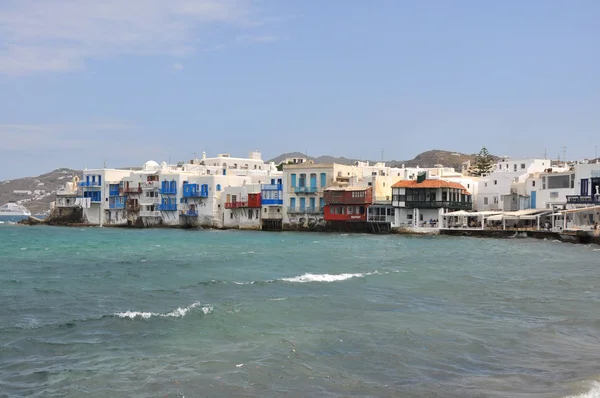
(312,203)
(293,203)
(533,199)
(323,179)
(302,203)
(313,180)
(293,180)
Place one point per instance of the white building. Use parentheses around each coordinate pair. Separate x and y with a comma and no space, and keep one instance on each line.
(492,187)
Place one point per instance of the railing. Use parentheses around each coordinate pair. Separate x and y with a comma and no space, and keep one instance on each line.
(89,184)
(130,190)
(149,213)
(235,205)
(377,218)
(579,199)
(117,206)
(189,213)
(150,184)
(114,192)
(306,210)
(147,200)
(195,194)
(133,208)
(168,191)
(272,202)
(305,189)
(271,187)
(167,207)
(439,205)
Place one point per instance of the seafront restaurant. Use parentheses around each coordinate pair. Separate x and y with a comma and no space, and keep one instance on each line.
(579,219)
(529,219)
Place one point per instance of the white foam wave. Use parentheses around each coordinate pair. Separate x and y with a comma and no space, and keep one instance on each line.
(593,392)
(177,313)
(321,278)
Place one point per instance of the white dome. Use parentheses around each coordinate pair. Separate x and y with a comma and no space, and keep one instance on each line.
(151,165)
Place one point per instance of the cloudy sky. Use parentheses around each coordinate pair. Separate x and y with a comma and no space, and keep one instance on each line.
(83,82)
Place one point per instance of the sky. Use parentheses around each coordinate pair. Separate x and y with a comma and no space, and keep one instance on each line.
(85,83)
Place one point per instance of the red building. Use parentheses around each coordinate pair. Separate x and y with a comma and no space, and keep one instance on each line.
(347,204)
(254,202)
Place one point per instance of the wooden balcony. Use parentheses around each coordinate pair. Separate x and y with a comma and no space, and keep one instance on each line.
(439,205)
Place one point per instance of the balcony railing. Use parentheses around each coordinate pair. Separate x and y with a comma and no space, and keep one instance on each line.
(305,189)
(117,206)
(189,213)
(305,210)
(377,218)
(235,205)
(150,185)
(579,199)
(130,190)
(149,200)
(113,192)
(168,191)
(272,202)
(94,184)
(195,194)
(149,213)
(133,208)
(271,187)
(439,205)
(167,207)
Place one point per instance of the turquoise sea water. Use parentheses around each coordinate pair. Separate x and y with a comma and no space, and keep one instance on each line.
(102,312)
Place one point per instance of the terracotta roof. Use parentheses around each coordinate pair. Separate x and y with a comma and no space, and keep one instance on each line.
(428,184)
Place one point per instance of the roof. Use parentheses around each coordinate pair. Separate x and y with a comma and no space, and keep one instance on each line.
(428,184)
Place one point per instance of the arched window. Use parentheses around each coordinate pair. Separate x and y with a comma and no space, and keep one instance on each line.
(218,187)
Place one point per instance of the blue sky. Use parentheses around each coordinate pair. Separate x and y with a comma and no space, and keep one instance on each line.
(83,82)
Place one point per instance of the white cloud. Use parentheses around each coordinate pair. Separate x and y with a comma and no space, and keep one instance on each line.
(177,66)
(60,35)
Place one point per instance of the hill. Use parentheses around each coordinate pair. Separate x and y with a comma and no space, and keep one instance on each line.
(425,159)
(36,193)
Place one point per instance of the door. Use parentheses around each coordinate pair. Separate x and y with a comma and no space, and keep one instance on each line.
(312,203)
(313,180)
(584,187)
(302,204)
(533,200)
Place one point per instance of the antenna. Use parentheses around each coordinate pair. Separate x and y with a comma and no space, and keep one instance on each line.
(545,153)
(564,153)
(382,154)
(104,163)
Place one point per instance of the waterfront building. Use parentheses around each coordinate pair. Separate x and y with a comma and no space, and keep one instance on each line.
(272,204)
(492,188)
(346,207)
(303,188)
(96,194)
(421,203)
(242,207)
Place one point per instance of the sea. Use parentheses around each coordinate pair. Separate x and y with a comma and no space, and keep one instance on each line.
(105,312)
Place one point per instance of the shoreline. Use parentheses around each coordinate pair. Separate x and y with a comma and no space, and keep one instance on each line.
(578,237)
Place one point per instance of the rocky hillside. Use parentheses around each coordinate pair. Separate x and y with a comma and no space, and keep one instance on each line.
(425,159)
(36,193)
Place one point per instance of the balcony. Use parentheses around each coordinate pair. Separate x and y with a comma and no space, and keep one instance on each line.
(168,207)
(150,185)
(235,205)
(116,206)
(133,208)
(272,202)
(305,189)
(114,192)
(130,190)
(439,205)
(583,200)
(189,213)
(372,218)
(94,184)
(168,191)
(271,187)
(306,210)
(149,200)
(149,213)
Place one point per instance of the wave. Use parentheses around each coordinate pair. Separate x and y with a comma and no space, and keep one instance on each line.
(593,392)
(177,313)
(322,277)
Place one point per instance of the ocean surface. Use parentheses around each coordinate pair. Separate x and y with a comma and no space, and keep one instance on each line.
(101,312)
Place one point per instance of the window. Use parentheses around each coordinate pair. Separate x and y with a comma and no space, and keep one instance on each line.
(486,184)
(523,165)
(495,200)
(409,216)
(293,181)
(218,187)
(533,183)
(485,201)
(495,182)
(515,167)
(302,180)
(230,214)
